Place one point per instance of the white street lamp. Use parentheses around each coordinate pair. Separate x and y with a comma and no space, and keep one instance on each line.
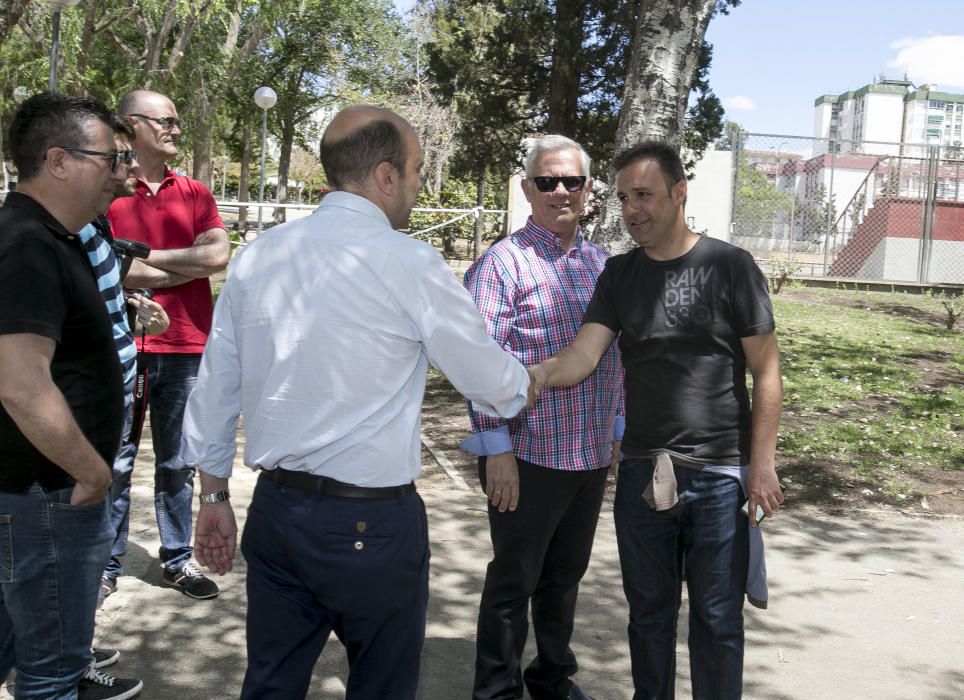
(58,6)
(265,98)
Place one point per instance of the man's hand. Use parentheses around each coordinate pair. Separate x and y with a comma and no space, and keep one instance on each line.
(93,490)
(764,491)
(537,382)
(150,317)
(216,536)
(502,481)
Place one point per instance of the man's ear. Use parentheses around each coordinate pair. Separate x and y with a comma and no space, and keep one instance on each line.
(386,178)
(56,162)
(679,192)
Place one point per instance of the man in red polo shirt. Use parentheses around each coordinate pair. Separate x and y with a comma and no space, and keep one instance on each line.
(178,218)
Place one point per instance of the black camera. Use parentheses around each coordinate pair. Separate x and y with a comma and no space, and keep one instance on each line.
(131,311)
(126,250)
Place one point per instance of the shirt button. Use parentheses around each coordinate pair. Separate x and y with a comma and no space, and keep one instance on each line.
(359,545)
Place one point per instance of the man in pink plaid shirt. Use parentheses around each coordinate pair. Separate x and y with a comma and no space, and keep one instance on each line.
(544,471)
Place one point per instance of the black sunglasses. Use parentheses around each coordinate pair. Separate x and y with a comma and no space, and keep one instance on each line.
(126,158)
(165,122)
(572,183)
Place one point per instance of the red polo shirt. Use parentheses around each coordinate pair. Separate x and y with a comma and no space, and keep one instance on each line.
(181,210)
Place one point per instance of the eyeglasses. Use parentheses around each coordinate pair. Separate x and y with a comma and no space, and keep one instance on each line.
(572,183)
(125,158)
(166,123)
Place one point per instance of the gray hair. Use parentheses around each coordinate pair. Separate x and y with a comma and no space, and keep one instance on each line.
(553,142)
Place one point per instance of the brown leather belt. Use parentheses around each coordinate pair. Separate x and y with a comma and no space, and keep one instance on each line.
(323,486)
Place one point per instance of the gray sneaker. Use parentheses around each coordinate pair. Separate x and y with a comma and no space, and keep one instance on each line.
(97,685)
(191,582)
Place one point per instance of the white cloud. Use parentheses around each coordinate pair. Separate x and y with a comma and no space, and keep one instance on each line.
(933,59)
(739,102)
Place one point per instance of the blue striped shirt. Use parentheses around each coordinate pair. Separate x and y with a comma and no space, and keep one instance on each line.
(107,271)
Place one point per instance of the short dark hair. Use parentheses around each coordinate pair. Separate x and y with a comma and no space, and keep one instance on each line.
(122,127)
(47,120)
(353,158)
(666,156)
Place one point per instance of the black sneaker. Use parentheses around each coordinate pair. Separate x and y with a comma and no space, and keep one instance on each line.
(104,657)
(191,582)
(97,685)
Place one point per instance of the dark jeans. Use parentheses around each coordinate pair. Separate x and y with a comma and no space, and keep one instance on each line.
(540,552)
(170,380)
(707,531)
(51,556)
(317,564)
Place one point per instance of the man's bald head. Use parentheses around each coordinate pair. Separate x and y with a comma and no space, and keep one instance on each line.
(358,139)
(137,100)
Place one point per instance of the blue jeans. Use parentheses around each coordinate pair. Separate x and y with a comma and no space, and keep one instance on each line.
(170,380)
(51,556)
(320,564)
(707,531)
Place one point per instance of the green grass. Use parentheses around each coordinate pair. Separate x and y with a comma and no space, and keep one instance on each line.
(873,384)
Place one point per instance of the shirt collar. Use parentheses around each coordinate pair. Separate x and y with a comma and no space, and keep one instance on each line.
(35,209)
(537,234)
(356,203)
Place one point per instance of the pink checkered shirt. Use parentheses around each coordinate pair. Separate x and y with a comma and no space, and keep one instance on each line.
(532,295)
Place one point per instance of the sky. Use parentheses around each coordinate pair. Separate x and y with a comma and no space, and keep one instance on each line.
(773,58)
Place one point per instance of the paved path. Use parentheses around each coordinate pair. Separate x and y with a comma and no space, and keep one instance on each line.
(866,606)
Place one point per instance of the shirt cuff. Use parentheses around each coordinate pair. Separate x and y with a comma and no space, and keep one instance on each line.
(216,460)
(488,442)
(619,427)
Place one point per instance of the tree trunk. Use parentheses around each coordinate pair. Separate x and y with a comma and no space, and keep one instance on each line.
(479,223)
(666,52)
(10,14)
(284,162)
(244,185)
(203,118)
(567,60)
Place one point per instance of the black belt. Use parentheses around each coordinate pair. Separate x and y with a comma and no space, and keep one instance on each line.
(323,486)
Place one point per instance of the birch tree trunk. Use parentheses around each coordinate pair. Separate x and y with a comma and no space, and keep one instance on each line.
(666,51)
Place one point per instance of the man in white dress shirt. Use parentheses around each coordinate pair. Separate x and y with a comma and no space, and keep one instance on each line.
(322,336)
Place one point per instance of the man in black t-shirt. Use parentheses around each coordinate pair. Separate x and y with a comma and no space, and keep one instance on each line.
(692,315)
(61,397)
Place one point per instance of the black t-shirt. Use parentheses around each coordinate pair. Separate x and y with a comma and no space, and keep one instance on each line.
(680,324)
(47,288)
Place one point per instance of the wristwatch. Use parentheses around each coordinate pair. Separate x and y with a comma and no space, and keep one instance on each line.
(215,497)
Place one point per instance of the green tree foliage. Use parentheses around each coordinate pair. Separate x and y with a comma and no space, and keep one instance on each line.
(757,203)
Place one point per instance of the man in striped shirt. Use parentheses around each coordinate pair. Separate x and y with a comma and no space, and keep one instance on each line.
(544,471)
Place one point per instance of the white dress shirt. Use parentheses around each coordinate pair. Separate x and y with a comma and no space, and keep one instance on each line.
(322,337)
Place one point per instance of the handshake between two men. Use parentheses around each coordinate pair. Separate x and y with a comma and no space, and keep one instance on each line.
(573,363)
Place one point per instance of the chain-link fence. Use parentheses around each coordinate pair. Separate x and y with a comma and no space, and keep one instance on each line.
(838,208)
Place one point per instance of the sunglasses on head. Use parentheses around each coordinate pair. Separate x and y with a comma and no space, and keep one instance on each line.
(572,183)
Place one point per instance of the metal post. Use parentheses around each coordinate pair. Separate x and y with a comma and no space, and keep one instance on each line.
(54,50)
(826,244)
(927,231)
(264,142)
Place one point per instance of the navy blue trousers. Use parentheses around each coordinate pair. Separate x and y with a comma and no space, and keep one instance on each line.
(316,564)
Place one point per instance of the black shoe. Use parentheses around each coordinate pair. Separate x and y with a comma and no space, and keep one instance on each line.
(107,586)
(104,657)
(576,693)
(191,582)
(97,685)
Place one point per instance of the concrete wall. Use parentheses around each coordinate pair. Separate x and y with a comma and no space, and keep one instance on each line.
(710,195)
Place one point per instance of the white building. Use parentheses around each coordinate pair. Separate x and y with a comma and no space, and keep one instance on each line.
(876,117)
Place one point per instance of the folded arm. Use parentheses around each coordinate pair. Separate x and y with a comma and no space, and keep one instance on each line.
(168,268)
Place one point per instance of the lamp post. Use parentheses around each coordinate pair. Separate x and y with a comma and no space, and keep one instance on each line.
(265,98)
(58,6)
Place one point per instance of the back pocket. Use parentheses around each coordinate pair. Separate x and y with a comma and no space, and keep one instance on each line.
(6,548)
